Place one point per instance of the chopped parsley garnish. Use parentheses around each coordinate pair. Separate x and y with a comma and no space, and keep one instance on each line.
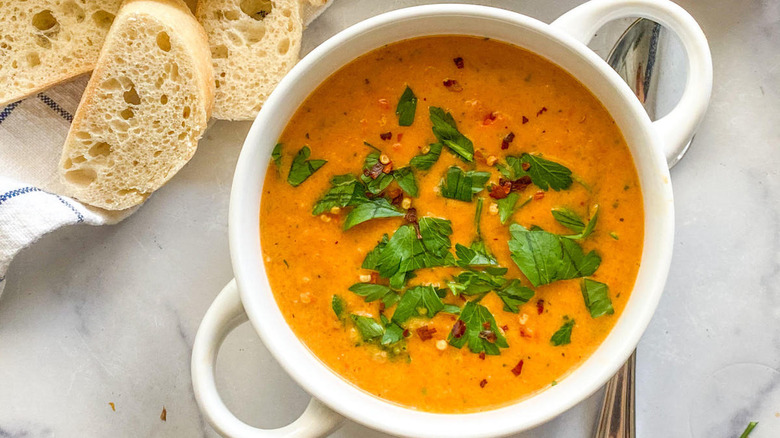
(302,167)
(476,255)
(406,108)
(427,160)
(345,191)
(371,209)
(596,296)
(572,221)
(405,179)
(446,131)
(546,257)
(276,154)
(372,292)
(563,335)
(477,328)
(508,206)
(475,282)
(545,173)
(339,306)
(752,425)
(374,177)
(418,301)
(461,185)
(368,327)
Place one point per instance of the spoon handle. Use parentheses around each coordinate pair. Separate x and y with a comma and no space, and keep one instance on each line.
(617,412)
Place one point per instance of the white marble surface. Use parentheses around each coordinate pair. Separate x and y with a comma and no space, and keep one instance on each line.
(97,315)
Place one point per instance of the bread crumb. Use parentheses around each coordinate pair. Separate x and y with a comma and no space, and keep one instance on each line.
(113,406)
(164,415)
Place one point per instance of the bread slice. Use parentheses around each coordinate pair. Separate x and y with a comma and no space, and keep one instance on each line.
(254,43)
(144,108)
(43,42)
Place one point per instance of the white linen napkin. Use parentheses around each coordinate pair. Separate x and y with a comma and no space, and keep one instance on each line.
(32,132)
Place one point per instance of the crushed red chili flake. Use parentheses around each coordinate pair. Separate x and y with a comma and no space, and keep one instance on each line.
(518,368)
(374,171)
(490,118)
(406,333)
(387,168)
(411,215)
(482,355)
(453,85)
(521,183)
(526,166)
(488,335)
(425,333)
(479,154)
(508,139)
(399,136)
(501,190)
(504,327)
(486,325)
(374,277)
(458,62)
(523,334)
(396,196)
(381,306)
(458,329)
(540,307)
(386,135)
(541,111)
(483,383)
(538,195)
(525,120)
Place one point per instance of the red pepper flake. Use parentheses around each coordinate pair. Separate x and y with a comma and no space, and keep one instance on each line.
(504,327)
(374,278)
(400,136)
(425,333)
(521,183)
(386,135)
(538,195)
(483,383)
(518,368)
(525,120)
(482,355)
(479,155)
(374,171)
(453,85)
(490,118)
(458,62)
(486,325)
(540,307)
(526,166)
(387,168)
(411,215)
(508,139)
(541,111)
(488,335)
(500,190)
(523,334)
(381,306)
(396,196)
(406,333)
(458,329)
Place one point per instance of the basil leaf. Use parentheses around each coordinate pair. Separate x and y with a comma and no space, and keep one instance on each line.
(446,131)
(372,292)
(373,209)
(393,333)
(405,179)
(339,306)
(478,338)
(368,327)
(276,154)
(514,295)
(302,168)
(545,257)
(563,335)
(596,296)
(417,301)
(477,255)
(461,185)
(569,219)
(345,190)
(545,173)
(427,160)
(406,108)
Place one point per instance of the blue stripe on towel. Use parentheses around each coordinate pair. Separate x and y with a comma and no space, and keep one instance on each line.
(55,106)
(69,205)
(14,193)
(7,110)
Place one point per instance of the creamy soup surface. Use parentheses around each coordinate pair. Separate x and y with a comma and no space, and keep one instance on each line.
(414,317)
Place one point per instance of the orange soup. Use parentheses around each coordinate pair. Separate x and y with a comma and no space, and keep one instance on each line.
(451,223)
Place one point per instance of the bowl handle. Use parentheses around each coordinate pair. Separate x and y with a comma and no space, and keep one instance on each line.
(225,314)
(676,128)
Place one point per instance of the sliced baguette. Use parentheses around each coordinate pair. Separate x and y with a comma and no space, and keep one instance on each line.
(43,42)
(254,43)
(144,109)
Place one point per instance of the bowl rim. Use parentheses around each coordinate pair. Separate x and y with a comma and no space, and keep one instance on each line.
(342,396)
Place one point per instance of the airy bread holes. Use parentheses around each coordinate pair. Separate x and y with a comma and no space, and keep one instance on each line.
(45,22)
(81,177)
(284,46)
(131,96)
(231,15)
(257,9)
(70,8)
(219,52)
(43,41)
(164,99)
(111,85)
(101,149)
(78,159)
(186,112)
(33,59)
(164,41)
(103,19)
(126,113)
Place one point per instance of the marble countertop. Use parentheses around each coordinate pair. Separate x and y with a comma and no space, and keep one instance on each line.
(93,316)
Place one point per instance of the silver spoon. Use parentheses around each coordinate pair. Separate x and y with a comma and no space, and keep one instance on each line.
(634,58)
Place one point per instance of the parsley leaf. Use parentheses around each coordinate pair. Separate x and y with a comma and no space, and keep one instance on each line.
(596,296)
(372,209)
(368,327)
(546,257)
(563,335)
(477,255)
(446,131)
(406,108)
(752,425)
(545,173)
(339,306)
(427,160)
(461,185)
(345,190)
(405,179)
(302,167)
(514,295)
(372,258)
(393,333)
(508,206)
(473,282)
(417,301)
(372,292)
(480,339)
(572,221)
(378,184)
(478,217)
(276,154)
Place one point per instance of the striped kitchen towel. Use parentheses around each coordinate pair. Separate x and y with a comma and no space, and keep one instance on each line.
(32,132)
